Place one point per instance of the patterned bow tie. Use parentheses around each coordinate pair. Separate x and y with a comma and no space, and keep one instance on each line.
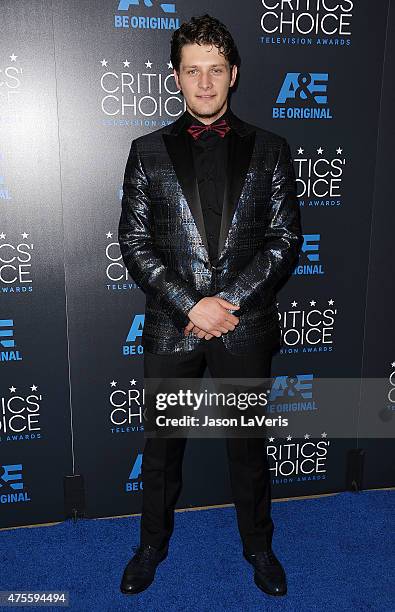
(221,128)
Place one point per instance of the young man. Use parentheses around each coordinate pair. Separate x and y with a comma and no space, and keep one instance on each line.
(210,225)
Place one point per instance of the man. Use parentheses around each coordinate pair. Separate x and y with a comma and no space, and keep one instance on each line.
(210,225)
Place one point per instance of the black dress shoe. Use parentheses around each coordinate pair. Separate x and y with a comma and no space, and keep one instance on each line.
(140,571)
(269,574)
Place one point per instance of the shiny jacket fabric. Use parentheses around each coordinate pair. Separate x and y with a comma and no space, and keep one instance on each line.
(164,245)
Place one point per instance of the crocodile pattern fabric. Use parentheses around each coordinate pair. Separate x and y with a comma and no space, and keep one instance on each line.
(164,245)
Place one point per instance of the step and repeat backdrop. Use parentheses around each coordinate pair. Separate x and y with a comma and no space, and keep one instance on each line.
(78,82)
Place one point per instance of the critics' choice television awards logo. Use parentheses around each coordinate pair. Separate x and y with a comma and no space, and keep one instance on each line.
(298,461)
(132,96)
(303,95)
(9,351)
(134,482)
(5,192)
(126,407)
(11,82)
(12,489)
(20,415)
(146,15)
(306,22)
(16,256)
(319,177)
(117,275)
(308,329)
(387,412)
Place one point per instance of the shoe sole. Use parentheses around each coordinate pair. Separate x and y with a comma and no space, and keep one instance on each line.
(135,592)
(279,594)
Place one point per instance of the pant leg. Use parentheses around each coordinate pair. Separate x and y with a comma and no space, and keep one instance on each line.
(163,457)
(247,458)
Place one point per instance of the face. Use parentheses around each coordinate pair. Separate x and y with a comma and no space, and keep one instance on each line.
(204,79)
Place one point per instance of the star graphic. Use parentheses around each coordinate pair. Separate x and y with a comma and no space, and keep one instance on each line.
(320,150)
(126,64)
(109,234)
(104,62)
(331,302)
(306,436)
(393,364)
(300,151)
(271,439)
(34,387)
(339,150)
(2,235)
(148,64)
(12,389)
(169,65)
(24,235)
(289,437)
(13,57)
(133,382)
(312,302)
(294,303)
(323,435)
(113,383)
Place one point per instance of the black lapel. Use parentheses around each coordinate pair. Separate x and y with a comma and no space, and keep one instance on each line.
(178,146)
(180,152)
(240,152)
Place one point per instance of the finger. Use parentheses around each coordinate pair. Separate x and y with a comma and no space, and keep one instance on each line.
(188,328)
(232,319)
(227,304)
(215,332)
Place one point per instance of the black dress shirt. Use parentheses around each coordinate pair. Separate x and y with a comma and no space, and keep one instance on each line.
(210,154)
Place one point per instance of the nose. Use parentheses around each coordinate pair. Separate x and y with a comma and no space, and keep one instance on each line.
(204,81)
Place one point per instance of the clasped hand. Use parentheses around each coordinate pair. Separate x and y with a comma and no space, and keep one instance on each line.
(210,317)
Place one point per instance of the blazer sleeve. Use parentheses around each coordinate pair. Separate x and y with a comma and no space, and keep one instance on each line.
(282,240)
(135,235)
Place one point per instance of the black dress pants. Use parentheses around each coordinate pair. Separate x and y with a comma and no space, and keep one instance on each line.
(247,459)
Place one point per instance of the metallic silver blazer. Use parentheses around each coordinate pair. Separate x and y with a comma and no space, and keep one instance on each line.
(164,245)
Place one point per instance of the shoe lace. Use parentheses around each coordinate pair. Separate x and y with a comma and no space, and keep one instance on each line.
(144,555)
(266,555)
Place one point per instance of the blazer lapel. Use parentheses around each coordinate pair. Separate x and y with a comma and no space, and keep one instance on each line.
(179,150)
(240,152)
(178,146)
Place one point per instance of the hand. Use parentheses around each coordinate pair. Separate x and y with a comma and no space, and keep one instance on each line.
(211,315)
(200,333)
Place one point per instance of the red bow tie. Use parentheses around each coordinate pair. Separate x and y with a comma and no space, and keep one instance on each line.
(221,128)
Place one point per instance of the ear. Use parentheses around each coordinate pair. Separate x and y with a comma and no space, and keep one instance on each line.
(233,75)
(176,78)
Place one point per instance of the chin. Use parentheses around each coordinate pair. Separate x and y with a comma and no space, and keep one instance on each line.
(207,110)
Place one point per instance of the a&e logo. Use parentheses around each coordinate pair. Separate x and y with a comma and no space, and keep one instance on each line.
(303,95)
(160,21)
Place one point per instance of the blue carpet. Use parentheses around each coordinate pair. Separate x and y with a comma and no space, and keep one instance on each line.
(338,553)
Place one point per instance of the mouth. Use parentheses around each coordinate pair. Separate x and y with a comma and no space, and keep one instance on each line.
(206,97)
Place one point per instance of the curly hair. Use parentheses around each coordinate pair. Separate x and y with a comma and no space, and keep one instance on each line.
(204,30)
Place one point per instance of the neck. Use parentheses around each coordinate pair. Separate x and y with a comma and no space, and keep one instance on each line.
(207,120)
